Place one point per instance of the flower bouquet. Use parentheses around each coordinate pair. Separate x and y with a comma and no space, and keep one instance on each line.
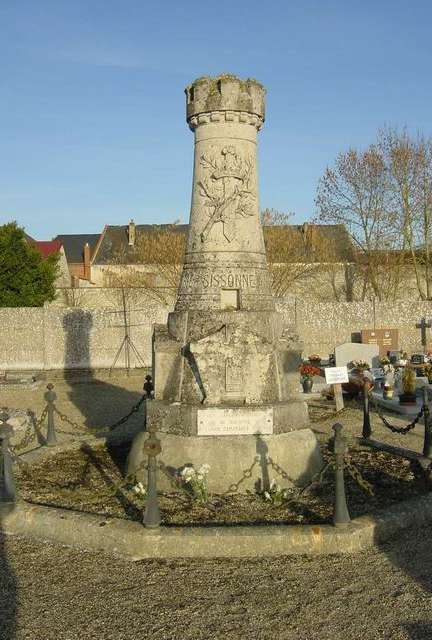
(360,365)
(194,482)
(307,372)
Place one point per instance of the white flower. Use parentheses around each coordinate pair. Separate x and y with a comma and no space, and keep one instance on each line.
(188,473)
(139,489)
(267,495)
(204,469)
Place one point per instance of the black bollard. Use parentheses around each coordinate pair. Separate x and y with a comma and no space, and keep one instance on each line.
(427,443)
(148,388)
(367,431)
(7,482)
(341,514)
(152,448)
(51,397)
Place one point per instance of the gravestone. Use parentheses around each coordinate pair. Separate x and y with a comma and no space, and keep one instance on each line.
(386,339)
(226,365)
(423,325)
(349,351)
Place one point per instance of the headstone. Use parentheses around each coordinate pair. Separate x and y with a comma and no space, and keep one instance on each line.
(349,351)
(386,339)
(423,325)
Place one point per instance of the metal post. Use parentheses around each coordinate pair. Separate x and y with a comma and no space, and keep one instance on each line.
(7,482)
(152,448)
(51,397)
(367,431)
(341,514)
(427,444)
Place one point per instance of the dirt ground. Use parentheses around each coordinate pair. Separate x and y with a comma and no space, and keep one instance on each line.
(90,479)
(52,592)
(49,592)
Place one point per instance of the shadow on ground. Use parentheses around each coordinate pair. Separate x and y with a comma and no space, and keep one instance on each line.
(106,403)
(8,592)
(413,556)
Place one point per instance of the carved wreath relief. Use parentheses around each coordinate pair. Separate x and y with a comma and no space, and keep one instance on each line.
(227,189)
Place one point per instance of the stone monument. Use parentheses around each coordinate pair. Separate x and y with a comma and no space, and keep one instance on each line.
(225,367)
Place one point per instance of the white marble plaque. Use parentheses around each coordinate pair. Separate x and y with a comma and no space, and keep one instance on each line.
(234,422)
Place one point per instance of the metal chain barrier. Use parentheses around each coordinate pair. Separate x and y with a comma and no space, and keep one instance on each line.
(317,477)
(125,418)
(357,477)
(30,432)
(81,429)
(247,473)
(393,428)
(279,470)
(122,485)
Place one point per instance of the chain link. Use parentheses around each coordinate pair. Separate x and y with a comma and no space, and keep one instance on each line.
(247,473)
(125,418)
(30,432)
(279,470)
(393,428)
(317,477)
(357,477)
(64,418)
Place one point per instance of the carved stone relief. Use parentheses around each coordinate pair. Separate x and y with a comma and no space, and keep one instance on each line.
(227,189)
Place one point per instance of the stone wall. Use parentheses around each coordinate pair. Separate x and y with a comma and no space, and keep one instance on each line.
(323,325)
(90,333)
(74,337)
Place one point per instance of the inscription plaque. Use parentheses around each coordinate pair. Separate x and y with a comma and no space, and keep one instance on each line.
(234,422)
(386,339)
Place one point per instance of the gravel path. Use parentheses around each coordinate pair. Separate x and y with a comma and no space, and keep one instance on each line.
(65,594)
(51,592)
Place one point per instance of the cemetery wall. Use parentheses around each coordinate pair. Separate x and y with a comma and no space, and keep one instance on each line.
(90,333)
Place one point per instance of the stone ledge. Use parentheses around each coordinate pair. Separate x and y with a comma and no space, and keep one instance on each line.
(130,540)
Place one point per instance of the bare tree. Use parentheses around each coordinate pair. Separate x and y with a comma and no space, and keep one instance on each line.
(301,257)
(409,164)
(154,263)
(355,192)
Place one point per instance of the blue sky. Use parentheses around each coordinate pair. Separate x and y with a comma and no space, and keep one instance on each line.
(92,111)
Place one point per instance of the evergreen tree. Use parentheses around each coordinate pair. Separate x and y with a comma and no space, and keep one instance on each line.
(26,278)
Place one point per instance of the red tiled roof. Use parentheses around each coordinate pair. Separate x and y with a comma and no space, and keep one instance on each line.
(47,247)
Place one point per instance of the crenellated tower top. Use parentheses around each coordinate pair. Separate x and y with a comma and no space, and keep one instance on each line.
(225,97)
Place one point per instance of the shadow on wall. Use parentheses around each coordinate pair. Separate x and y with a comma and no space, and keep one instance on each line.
(8,592)
(411,552)
(99,403)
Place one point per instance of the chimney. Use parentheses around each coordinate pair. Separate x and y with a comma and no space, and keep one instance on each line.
(86,261)
(131,233)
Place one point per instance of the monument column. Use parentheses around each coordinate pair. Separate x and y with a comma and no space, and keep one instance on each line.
(225,365)
(225,263)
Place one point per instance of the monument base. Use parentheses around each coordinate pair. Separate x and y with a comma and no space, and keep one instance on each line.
(237,463)
(228,419)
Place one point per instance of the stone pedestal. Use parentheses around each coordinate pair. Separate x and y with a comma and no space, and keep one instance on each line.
(225,365)
(267,457)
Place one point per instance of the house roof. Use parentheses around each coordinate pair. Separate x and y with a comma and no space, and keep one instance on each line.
(74,245)
(316,242)
(47,247)
(114,242)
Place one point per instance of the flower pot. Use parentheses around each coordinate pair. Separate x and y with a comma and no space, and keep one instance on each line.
(388,392)
(407,398)
(307,385)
